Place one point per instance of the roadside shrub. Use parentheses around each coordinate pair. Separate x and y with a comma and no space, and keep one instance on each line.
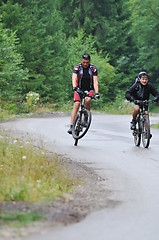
(32,99)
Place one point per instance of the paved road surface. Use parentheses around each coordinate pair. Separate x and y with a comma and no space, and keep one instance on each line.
(132,173)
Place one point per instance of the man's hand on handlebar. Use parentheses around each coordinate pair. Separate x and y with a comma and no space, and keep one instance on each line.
(155,100)
(96,96)
(145,101)
(137,101)
(77,89)
(86,93)
(131,99)
(80,91)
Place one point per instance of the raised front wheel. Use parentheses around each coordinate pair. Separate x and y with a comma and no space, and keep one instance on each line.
(81,124)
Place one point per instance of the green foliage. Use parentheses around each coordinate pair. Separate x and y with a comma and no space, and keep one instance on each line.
(106,77)
(121,37)
(145,22)
(12,75)
(42,43)
(31,103)
(32,98)
(78,45)
(118,106)
(105,20)
(12,15)
(18,218)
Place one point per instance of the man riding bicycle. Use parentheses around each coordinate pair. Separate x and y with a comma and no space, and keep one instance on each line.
(84,77)
(140,90)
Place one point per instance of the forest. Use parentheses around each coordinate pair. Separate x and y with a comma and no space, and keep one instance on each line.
(41,41)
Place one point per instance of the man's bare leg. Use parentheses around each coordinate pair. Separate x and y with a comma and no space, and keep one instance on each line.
(135,112)
(134,115)
(74,112)
(88,103)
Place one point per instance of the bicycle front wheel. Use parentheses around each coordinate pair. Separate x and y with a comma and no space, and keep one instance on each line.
(137,134)
(80,125)
(146,132)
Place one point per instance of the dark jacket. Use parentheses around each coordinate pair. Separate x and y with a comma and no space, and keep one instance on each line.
(140,92)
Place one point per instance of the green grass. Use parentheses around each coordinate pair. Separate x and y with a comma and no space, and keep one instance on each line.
(119,106)
(154,108)
(29,174)
(19,219)
(59,107)
(155,125)
(4,114)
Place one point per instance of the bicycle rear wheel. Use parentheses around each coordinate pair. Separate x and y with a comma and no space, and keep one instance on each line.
(137,135)
(80,127)
(146,132)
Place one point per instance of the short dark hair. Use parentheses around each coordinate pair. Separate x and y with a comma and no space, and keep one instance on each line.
(86,56)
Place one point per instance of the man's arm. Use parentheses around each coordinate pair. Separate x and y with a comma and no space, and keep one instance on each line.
(154,91)
(95,84)
(74,79)
(130,92)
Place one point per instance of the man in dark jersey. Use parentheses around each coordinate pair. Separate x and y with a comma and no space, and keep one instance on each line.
(85,77)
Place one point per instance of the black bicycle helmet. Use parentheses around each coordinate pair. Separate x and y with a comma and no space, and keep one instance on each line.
(142,73)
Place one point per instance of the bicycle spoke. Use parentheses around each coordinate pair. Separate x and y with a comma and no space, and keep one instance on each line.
(143,124)
(137,135)
(146,132)
(80,127)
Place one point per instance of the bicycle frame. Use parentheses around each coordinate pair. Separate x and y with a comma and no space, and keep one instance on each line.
(82,103)
(142,113)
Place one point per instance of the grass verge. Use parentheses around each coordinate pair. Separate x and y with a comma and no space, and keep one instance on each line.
(29,174)
(155,125)
(19,219)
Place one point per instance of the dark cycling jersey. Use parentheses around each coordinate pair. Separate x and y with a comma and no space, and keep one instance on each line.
(85,76)
(140,92)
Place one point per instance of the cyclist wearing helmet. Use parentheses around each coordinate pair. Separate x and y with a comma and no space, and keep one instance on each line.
(140,90)
(85,77)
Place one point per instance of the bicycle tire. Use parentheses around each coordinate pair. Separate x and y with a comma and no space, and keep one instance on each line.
(79,129)
(146,132)
(137,134)
(76,142)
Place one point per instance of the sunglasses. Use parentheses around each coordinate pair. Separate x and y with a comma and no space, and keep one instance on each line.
(86,57)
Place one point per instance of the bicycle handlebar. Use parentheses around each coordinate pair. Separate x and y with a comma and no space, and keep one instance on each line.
(143,102)
(84,93)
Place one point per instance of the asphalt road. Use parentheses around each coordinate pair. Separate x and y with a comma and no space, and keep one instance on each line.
(132,173)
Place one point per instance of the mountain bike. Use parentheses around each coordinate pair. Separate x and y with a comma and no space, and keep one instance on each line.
(142,124)
(83,120)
